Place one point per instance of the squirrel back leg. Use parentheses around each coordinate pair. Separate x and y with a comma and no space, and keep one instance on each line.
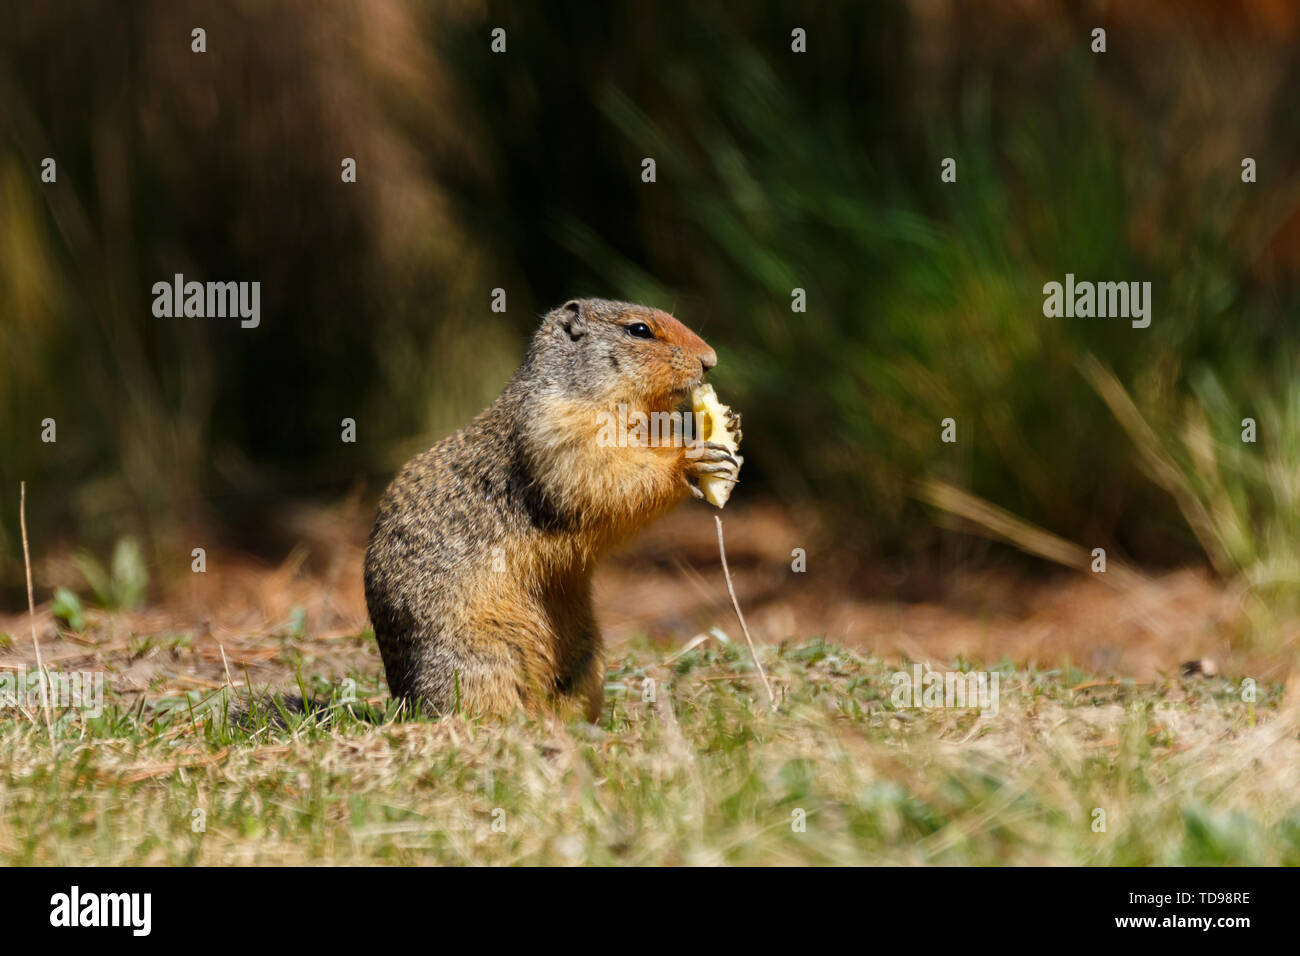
(458,681)
(580,668)
(587,682)
(481,685)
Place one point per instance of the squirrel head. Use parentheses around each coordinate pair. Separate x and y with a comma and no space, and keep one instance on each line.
(609,352)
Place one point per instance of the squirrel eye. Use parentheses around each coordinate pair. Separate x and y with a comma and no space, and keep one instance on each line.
(639,330)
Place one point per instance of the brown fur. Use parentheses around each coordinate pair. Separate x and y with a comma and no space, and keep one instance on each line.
(478,570)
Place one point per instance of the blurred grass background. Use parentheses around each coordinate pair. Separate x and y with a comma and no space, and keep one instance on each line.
(775,171)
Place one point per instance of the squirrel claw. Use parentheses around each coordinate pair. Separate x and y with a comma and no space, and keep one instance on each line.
(714,461)
(710,452)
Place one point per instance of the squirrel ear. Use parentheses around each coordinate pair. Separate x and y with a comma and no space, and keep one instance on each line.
(572,320)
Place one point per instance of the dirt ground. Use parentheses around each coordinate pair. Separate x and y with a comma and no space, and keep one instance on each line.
(308,609)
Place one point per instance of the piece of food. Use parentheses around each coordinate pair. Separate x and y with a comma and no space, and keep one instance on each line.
(712,420)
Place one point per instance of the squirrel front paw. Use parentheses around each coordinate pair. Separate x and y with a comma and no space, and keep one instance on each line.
(710,458)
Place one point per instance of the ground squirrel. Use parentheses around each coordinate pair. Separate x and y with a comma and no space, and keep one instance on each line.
(478,571)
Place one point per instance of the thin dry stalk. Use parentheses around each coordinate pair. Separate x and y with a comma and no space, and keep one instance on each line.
(1003,525)
(1163,470)
(31,609)
(722,552)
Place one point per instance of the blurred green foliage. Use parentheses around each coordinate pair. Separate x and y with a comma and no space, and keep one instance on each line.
(124,583)
(67,608)
(521,171)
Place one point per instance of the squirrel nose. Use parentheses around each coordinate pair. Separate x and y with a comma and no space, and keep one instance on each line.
(708,359)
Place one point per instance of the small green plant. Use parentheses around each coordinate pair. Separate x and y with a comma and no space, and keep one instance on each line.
(124,585)
(67,608)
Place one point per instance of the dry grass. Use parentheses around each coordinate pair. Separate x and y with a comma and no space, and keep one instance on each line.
(1092,716)
(1185,771)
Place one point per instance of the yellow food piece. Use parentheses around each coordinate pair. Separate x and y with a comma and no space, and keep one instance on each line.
(711,425)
